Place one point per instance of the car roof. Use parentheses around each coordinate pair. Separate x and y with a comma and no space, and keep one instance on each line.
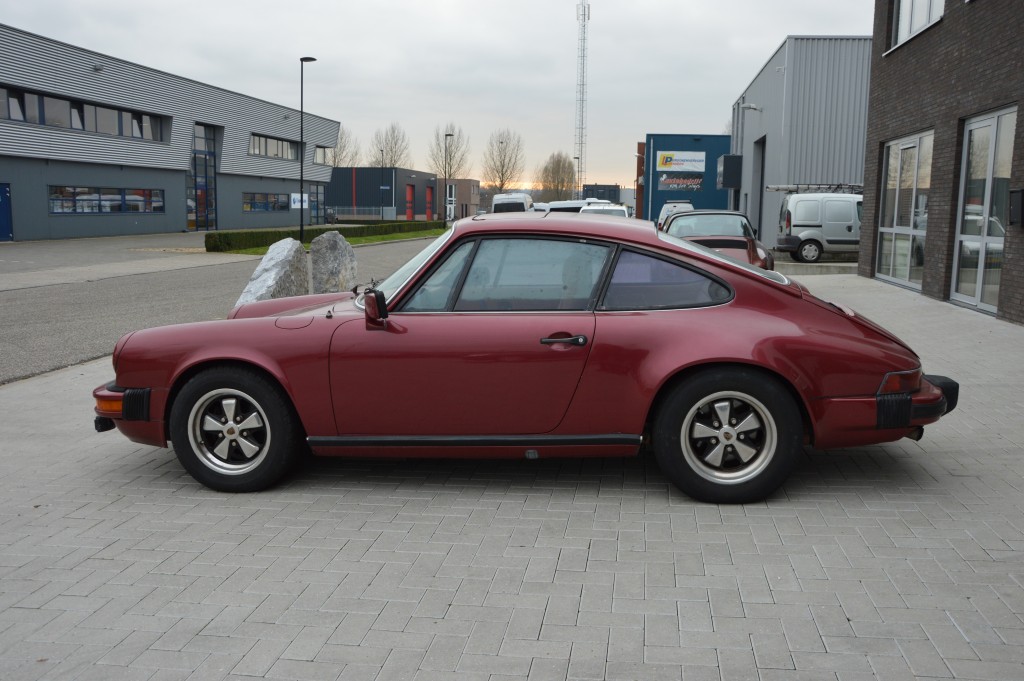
(634,231)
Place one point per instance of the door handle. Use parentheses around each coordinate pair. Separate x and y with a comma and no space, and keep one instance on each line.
(571,340)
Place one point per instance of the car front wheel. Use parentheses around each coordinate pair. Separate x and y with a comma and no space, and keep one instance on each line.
(234,431)
(728,435)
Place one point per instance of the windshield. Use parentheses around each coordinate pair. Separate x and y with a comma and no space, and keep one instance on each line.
(693,246)
(687,224)
(391,285)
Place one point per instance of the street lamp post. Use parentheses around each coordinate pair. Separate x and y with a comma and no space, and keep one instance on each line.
(302,145)
(382,183)
(445,198)
(576,180)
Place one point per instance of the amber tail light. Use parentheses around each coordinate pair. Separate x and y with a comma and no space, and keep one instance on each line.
(106,404)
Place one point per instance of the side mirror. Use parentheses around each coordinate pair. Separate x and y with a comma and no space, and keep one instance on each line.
(376,309)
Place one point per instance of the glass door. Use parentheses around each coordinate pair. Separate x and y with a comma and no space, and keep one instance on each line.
(983,209)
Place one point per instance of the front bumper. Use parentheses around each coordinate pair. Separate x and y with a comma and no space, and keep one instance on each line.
(130,411)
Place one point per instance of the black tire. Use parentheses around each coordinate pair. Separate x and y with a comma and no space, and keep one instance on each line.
(704,456)
(809,251)
(255,450)
(795,256)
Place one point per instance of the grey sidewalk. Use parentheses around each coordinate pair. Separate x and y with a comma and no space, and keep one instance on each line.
(898,561)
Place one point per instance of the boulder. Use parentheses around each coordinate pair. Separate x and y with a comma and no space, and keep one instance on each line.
(334,263)
(283,272)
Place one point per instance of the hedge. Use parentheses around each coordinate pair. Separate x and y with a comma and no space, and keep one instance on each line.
(256,238)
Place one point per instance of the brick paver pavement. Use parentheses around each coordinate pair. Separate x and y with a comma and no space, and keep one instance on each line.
(900,561)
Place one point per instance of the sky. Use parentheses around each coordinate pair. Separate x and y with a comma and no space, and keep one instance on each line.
(653,66)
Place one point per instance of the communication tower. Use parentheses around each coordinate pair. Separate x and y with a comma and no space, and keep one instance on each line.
(582,16)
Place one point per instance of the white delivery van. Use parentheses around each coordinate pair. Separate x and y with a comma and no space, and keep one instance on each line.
(516,202)
(815,223)
(575,205)
(671,208)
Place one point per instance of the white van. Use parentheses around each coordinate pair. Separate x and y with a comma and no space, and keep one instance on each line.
(816,223)
(605,209)
(516,202)
(671,208)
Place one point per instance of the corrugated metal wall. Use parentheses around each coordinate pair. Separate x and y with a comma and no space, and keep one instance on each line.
(36,63)
(810,124)
(828,100)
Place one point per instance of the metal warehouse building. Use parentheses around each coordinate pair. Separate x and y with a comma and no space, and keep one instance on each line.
(802,120)
(91,145)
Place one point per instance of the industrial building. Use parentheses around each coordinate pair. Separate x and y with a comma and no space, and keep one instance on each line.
(945,154)
(388,193)
(678,167)
(92,145)
(801,120)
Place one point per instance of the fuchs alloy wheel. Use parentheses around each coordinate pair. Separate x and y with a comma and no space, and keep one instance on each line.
(728,435)
(234,431)
(810,251)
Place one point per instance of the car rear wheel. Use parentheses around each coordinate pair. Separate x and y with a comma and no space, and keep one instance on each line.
(728,435)
(809,251)
(234,430)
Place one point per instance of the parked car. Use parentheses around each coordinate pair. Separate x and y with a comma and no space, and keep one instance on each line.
(612,209)
(672,207)
(725,231)
(815,223)
(530,336)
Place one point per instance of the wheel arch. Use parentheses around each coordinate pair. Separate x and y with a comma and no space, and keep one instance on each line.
(198,368)
(686,373)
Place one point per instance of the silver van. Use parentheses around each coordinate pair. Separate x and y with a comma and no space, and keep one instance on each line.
(813,224)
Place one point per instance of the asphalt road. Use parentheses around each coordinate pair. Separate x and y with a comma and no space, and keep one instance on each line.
(67,302)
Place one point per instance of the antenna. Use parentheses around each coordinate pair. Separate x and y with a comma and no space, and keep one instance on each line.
(582,16)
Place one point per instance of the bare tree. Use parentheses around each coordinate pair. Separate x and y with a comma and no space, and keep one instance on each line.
(503,159)
(345,153)
(390,147)
(557,177)
(452,162)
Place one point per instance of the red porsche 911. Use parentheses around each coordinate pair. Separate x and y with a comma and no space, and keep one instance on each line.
(530,335)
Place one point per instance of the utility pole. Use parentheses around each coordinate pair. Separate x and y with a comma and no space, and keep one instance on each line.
(582,16)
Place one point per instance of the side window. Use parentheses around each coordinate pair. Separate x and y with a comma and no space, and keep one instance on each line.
(642,282)
(436,291)
(806,211)
(838,211)
(532,275)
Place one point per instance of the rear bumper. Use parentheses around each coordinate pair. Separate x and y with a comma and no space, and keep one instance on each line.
(856,421)
(788,243)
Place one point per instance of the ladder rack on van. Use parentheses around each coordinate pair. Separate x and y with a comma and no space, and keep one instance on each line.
(825,188)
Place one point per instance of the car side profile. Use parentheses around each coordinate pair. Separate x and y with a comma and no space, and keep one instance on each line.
(530,336)
(725,231)
(811,224)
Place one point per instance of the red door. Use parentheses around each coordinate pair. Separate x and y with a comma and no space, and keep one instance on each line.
(410,202)
(458,373)
(432,215)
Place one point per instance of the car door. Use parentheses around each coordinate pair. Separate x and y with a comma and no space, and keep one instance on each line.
(841,225)
(492,341)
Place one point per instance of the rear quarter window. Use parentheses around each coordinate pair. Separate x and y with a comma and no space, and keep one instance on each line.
(643,282)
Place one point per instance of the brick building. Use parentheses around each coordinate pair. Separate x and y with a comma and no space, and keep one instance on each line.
(944,164)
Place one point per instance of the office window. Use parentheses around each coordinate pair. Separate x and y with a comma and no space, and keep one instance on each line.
(58,112)
(253,202)
(320,155)
(107,200)
(906,183)
(913,16)
(261,145)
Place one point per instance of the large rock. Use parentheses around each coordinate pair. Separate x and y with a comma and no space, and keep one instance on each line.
(283,272)
(334,263)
